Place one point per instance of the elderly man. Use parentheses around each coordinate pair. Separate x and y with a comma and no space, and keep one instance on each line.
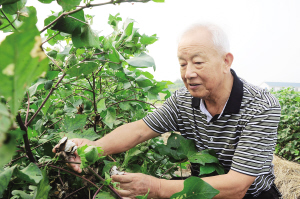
(218,111)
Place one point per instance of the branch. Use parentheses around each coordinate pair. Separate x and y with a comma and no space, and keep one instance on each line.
(131,100)
(25,137)
(100,178)
(78,190)
(27,108)
(94,102)
(172,167)
(12,161)
(50,165)
(43,103)
(10,23)
(77,20)
(54,62)
(83,96)
(97,192)
(50,39)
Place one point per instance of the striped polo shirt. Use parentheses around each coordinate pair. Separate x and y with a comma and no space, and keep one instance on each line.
(243,136)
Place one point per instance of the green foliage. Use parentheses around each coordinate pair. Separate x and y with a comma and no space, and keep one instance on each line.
(195,188)
(288,143)
(84,89)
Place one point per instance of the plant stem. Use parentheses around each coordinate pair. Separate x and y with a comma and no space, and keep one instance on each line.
(55,63)
(50,38)
(97,192)
(94,102)
(77,19)
(25,138)
(172,167)
(45,142)
(11,23)
(9,20)
(49,127)
(50,165)
(100,178)
(27,108)
(15,160)
(43,103)
(82,87)
(131,100)
(76,191)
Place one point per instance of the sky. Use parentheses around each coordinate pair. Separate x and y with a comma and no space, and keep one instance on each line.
(264,35)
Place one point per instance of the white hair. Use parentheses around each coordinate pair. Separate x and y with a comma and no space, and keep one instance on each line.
(218,36)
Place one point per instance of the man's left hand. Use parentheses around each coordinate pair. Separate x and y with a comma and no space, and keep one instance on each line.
(136,184)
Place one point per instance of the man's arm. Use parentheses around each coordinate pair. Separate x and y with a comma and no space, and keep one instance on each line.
(126,137)
(231,185)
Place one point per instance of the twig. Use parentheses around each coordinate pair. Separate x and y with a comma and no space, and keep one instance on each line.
(9,20)
(49,127)
(54,62)
(25,138)
(27,108)
(83,96)
(50,165)
(43,103)
(97,192)
(45,142)
(105,61)
(99,177)
(172,167)
(111,158)
(77,20)
(12,161)
(62,183)
(131,100)
(76,191)
(82,87)
(94,102)
(50,38)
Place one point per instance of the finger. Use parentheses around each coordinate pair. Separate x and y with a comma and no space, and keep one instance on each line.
(54,148)
(122,178)
(124,192)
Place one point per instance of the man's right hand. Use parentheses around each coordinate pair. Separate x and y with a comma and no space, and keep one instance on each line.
(79,143)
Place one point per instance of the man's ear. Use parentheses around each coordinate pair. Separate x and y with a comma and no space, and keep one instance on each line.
(228,59)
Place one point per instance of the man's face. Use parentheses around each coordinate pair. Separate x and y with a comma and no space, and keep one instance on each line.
(201,65)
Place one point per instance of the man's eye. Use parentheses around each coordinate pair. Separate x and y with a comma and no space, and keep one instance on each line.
(198,63)
(182,65)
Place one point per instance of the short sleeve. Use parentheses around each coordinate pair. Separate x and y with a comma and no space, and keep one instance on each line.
(165,118)
(254,153)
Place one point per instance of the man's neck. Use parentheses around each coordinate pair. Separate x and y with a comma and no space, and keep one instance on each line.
(216,104)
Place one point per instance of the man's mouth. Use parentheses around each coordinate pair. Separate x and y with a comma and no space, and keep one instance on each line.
(194,84)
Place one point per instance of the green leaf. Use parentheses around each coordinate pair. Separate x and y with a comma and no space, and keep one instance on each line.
(20,66)
(142,61)
(125,106)
(104,195)
(146,40)
(207,169)
(89,151)
(43,187)
(67,24)
(84,68)
(78,122)
(5,122)
(32,89)
(14,7)
(130,154)
(31,174)
(5,177)
(195,188)
(110,117)
(202,158)
(159,1)
(52,74)
(22,194)
(3,2)
(85,37)
(31,133)
(45,1)
(86,134)
(8,148)
(101,105)
(68,4)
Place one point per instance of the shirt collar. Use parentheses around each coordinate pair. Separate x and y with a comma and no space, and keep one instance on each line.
(234,101)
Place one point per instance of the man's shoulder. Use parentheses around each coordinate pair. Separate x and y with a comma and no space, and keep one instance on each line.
(258,95)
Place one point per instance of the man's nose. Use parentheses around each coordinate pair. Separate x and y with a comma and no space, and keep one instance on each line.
(190,71)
